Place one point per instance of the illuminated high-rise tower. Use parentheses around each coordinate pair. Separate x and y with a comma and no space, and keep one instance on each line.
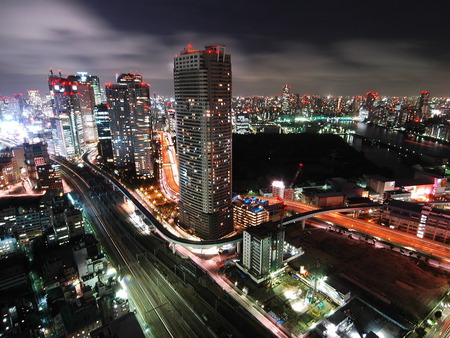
(94,82)
(67,112)
(286,100)
(129,112)
(423,107)
(370,104)
(203,115)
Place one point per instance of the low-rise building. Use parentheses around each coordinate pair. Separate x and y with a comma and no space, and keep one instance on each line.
(424,221)
(249,211)
(322,198)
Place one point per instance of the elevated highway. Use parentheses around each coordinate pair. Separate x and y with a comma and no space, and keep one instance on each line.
(305,211)
(380,232)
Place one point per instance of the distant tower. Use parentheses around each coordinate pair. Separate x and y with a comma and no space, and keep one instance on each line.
(203,115)
(35,100)
(423,107)
(371,97)
(94,82)
(286,98)
(86,97)
(67,112)
(129,112)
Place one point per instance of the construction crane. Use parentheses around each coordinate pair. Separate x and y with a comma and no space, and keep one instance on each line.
(299,170)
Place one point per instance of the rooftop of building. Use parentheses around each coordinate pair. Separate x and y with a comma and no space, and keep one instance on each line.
(405,205)
(20,201)
(379,178)
(208,49)
(398,192)
(408,182)
(122,327)
(265,229)
(251,203)
(320,192)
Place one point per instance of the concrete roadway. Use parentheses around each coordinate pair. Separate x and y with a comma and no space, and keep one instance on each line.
(423,245)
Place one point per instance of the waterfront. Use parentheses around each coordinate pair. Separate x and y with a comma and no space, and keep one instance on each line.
(419,148)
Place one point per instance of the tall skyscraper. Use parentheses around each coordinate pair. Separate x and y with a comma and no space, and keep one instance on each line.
(423,107)
(87,86)
(66,107)
(104,132)
(73,98)
(286,100)
(94,82)
(129,112)
(203,114)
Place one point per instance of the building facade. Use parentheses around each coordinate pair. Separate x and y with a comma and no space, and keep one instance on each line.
(262,250)
(202,80)
(249,211)
(424,221)
(66,107)
(129,112)
(104,132)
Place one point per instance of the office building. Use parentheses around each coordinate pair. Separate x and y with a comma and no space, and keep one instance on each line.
(42,174)
(129,112)
(202,80)
(262,250)
(94,83)
(286,100)
(278,189)
(423,107)
(424,221)
(249,211)
(67,111)
(86,86)
(73,98)
(104,133)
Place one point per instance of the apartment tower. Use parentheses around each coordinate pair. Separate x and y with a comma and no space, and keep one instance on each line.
(202,80)
(129,113)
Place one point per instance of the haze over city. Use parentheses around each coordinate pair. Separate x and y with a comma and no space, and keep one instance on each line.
(325,48)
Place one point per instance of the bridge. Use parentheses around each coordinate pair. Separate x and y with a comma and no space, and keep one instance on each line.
(314,213)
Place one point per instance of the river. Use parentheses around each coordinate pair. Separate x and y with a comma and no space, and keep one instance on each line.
(390,157)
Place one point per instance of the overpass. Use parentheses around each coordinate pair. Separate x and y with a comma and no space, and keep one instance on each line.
(314,213)
(206,243)
(331,214)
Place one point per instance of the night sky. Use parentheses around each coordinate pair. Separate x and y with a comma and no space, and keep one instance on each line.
(397,48)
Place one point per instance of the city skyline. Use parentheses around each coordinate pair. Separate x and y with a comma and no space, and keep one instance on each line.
(333,49)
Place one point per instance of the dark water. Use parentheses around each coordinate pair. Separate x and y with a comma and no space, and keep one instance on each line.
(389,157)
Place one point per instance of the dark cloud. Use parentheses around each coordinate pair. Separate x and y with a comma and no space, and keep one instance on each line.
(342,48)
